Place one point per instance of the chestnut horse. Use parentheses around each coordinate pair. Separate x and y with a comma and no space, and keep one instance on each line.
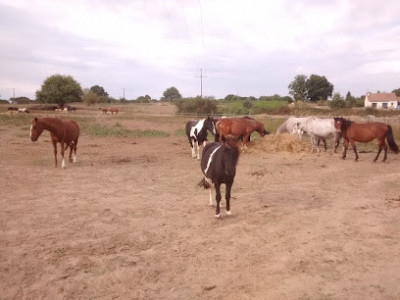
(113,110)
(355,132)
(239,127)
(65,132)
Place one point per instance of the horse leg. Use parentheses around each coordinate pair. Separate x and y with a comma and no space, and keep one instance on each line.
(198,150)
(246,139)
(62,155)
(345,145)
(71,148)
(192,145)
(337,140)
(75,147)
(380,145)
(55,153)
(385,149)
(353,144)
(326,148)
(313,142)
(228,198)
(218,198)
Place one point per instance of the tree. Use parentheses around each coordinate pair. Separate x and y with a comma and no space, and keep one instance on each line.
(337,101)
(298,87)
(59,89)
(143,99)
(99,90)
(350,100)
(171,94)
(318,88)
(231,97)
(90,98)
(397,92)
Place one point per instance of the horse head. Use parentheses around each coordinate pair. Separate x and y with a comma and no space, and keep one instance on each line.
(260,129)
(209,124)
(341,124)
(36,130)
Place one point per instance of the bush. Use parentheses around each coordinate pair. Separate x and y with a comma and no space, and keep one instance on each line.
(198,105)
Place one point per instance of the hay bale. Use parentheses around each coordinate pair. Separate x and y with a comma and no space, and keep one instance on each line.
(273,143)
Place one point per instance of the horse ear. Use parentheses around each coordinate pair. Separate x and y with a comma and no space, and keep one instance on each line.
(35,119)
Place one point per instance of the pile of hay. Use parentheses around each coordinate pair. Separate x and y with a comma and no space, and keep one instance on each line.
(279,143)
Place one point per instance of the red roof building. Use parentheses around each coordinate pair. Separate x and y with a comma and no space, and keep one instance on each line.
(382,100)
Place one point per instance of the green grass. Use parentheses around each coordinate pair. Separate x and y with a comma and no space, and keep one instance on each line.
(15,119)
(117,131)
(180,132)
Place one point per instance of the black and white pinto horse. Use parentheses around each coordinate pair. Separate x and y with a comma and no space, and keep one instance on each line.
(218,164)
(196,132)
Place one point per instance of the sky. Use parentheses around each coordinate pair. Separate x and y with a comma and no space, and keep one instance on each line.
(254,48)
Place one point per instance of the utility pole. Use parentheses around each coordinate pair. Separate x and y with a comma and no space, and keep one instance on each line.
(201,82)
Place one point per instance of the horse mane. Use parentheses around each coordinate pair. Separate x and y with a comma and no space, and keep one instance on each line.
(344,124)
(231,142)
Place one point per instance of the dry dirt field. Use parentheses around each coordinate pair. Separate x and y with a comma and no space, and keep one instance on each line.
(128,221)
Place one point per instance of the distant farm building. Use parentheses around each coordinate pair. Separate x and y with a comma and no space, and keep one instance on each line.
(382,100)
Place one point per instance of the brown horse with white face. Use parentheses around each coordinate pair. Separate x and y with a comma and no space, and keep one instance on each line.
(239,127)
(65,132)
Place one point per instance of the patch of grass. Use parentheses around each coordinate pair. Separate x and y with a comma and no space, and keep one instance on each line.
(105,131)
(117,131)
(15,119)
(180,132)
(149,133)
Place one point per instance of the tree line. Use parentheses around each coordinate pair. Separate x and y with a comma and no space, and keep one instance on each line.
(63,89)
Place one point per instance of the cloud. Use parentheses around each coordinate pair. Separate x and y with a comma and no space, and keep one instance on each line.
(247,47)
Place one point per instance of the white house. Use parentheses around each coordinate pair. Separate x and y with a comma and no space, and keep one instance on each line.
(382,100)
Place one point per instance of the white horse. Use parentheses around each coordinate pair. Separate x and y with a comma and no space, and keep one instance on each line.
(319,129)
(292,125)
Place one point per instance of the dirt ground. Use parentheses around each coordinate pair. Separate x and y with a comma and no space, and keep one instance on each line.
(129,221)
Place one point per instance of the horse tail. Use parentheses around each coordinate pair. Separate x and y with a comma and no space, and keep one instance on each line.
(204,184)
(392,144)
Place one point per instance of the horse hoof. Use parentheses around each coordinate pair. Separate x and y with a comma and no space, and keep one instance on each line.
(218,216)
(228,213)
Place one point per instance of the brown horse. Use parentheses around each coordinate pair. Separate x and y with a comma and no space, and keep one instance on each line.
(65,132)
(239,127)
(355,132)
(113,110)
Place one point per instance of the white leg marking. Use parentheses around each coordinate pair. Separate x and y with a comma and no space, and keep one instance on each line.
(228,213)
(63,164)
(193,152)
(198,150)
(74,158)
(218,216)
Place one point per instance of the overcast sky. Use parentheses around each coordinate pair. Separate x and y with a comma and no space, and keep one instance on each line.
(246,47)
